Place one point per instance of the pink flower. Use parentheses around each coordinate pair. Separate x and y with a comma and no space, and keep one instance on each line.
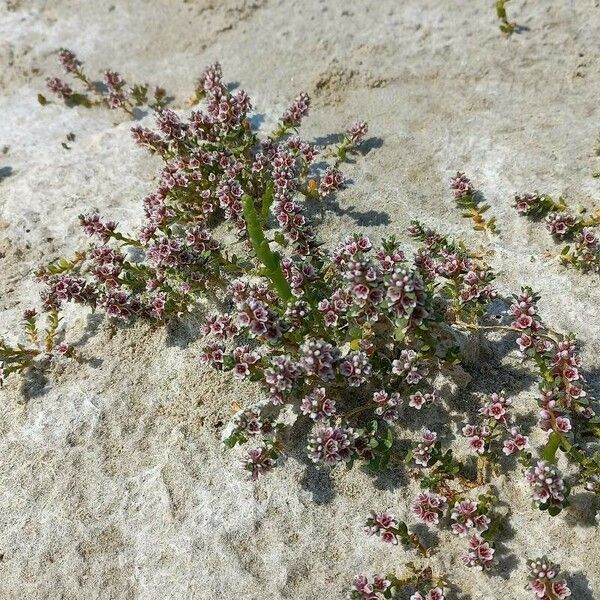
(461,185)
(428,507)
(543,582)
(560,589)
(357,131)
(331,445)
(480,555)
(258,461)
(389,538)
(332,180)
(317,406)
(297,111)
(516,443)
(478,444)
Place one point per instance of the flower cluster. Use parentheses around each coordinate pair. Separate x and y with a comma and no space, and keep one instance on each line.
(544,582)
(585,253)
(497,425)
(384,525)
(317,406)
(258,461)
(114,92)
(211,159)
(563,396)
(387,405)
(435,593)
(429,507)
(363,589)
(331,445)
(563,224)
(536,204)
(364,324)
(422,452)
(466,515)
(548,488)
(465,281)
(390,586)
(480,554)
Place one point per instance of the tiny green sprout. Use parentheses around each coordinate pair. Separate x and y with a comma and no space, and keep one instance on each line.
(506,26)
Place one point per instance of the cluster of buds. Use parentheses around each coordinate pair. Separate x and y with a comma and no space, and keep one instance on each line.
(423,451)
(548,488)
(497,425)
(544,582)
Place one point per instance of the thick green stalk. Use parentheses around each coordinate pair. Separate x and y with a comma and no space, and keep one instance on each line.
(267,201)
(549,452)
(268,258)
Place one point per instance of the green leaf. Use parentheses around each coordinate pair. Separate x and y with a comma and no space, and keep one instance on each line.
(554,510)
(549,452)
(263,252)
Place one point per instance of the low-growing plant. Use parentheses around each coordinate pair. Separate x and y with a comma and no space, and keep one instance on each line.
(42,335)
(563,224)
(420,581)
(353,332)
(506,26)
(216,169)
(112,92)
(344,342)
(465,196)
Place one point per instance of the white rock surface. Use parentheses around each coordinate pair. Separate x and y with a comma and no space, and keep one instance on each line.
(113,480)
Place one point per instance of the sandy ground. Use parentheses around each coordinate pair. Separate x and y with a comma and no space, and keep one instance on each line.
(113,480)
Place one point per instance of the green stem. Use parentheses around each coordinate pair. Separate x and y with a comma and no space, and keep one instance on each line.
(267,201)
(552,446)
(127,240)
(269,258)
